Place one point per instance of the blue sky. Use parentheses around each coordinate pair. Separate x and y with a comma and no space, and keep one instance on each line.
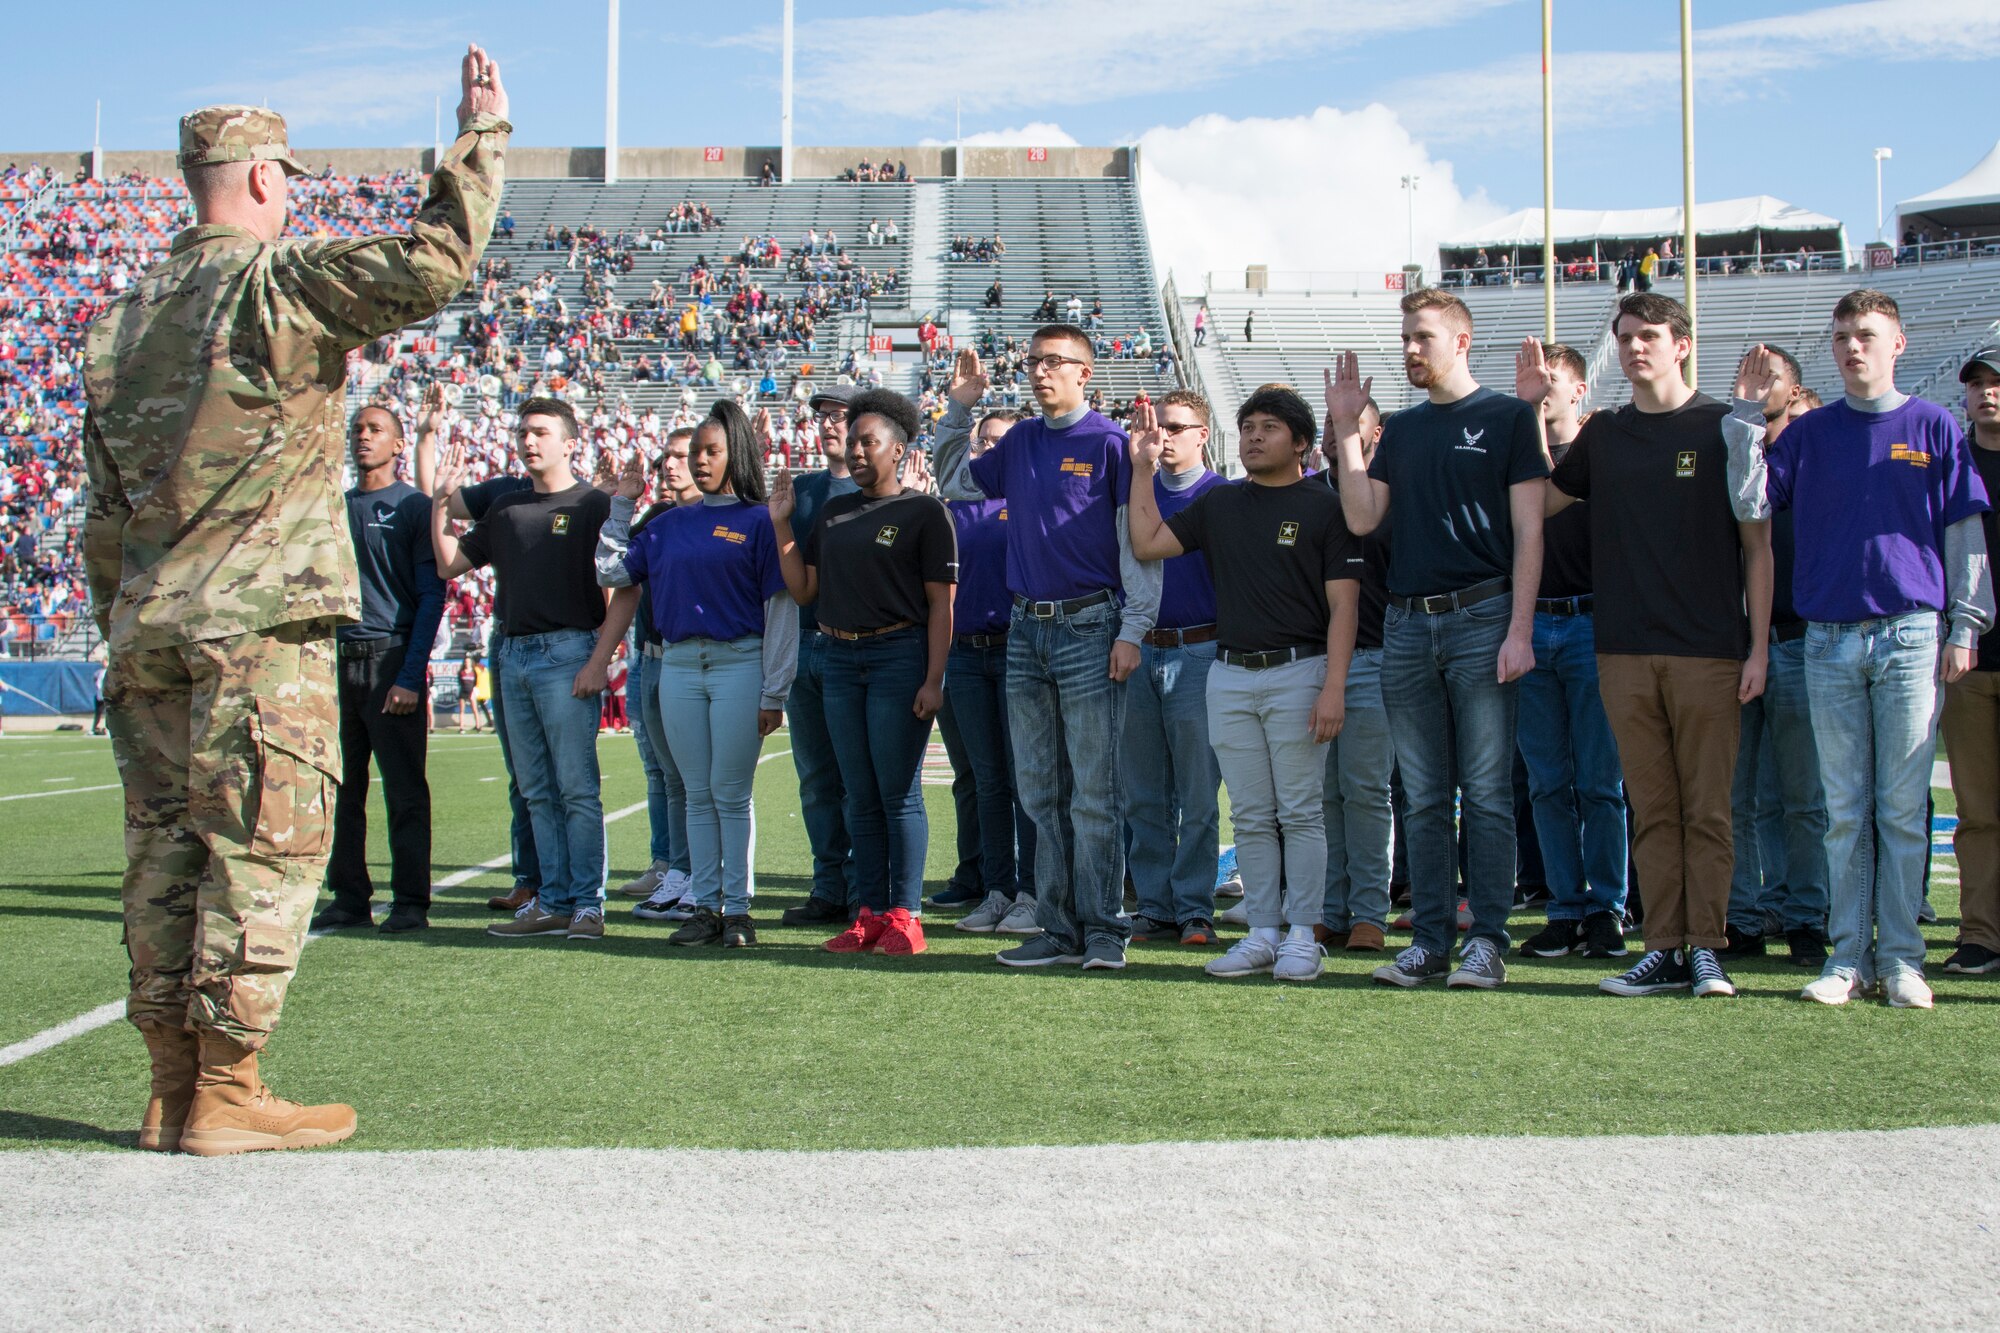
(1793,95)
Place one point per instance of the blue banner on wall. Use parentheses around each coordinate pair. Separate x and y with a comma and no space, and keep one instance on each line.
(40,689)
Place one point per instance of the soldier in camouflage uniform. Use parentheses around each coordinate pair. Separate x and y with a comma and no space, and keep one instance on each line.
(218,562)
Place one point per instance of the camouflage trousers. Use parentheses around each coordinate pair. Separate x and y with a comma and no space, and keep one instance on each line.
(229,752)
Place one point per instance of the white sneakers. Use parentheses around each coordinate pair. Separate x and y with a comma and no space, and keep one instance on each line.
(1247,957)
(1300,957)
(986,918)
(1238,915)
(1833,988)
(1902,989)
(1906,990)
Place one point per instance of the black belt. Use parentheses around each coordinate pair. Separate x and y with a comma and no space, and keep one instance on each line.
(369,647)
(1270,657)
(1439,603)
(991,639)
(1050,610)
(1178,638)
(1788,633)
(1564,606)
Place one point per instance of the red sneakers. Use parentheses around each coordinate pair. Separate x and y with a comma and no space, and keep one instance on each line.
(860,935)
(903,935)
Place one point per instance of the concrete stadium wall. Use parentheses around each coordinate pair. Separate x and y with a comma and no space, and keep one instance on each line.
(736,162)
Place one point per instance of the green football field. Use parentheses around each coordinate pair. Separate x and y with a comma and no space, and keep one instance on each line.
(454,1039)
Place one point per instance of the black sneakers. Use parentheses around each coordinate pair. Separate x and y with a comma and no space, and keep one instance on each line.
(1808,947)
(1972,959)
(1657,971)
(738,932)
(1603,936)
(1742,943)
(336,917)
(704,927)
(404,917)
(814,912)
(1555,940)
(1709,978)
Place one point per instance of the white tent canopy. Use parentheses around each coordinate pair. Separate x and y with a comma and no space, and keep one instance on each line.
(1976,189)
(1581,226)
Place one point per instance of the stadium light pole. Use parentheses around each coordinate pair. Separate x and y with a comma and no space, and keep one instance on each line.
(1687,186)
(611,101)
(1548,179)
(1881,155)
(1410,214)
(785,107)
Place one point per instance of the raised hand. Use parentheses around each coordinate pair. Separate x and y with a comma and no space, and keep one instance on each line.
(783,500)
(1757,374)
(479,78)
(430,416)
(632,477)
(450,469)
(1148,440)
(1531,372)
(969,380)
(917,472)
(1346,394)
(605,476)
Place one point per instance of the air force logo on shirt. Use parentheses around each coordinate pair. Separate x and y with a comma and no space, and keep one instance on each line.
(1684,463)
(559,524)
(886,535)
(1472,440)
(1288,534)
(385,515)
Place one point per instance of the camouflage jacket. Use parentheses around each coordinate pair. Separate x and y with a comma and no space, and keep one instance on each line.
(216,425)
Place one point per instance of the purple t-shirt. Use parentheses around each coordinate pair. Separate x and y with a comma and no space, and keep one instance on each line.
(1873,493)
(1188,597)
(983,605)
(1063,489)
(709,569)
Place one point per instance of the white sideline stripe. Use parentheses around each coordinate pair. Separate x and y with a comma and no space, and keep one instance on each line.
(106,1014)
(66,791)
(1941,775)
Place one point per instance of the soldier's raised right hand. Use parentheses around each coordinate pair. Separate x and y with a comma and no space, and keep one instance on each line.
(969,380)
(479,77)
(450,470)
(782,501)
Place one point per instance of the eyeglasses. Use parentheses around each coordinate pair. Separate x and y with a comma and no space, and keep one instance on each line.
(1174,429)
(834,414)
(1052,361)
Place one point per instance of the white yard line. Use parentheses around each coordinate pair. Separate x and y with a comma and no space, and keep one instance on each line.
(66,791)
(106,1014)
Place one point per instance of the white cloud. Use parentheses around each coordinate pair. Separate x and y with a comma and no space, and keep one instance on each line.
(1732,61)
(988,55)
(1036,134)
(1321,191)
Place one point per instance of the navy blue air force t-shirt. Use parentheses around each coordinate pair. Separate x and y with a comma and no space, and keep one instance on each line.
(1448,468)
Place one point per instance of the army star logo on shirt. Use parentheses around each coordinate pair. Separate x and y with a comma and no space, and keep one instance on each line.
(1684,463)
(1288,534)
(886,535)
(559,524)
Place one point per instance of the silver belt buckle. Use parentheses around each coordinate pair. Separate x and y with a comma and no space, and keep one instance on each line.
(1044,610)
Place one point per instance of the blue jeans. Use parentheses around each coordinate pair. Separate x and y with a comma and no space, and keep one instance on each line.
(1792,888)
(968,873)
(709,694)
(1573,775)
(1360,826)
(666,794)
(554,738)
(1066,715)
(975,680)
(1444,702)
(520,829)
(820,794)
(871,685)
(1875,700)
(1170,783)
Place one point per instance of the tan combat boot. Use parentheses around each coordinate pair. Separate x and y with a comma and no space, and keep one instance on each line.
(173,1052)
(234,1112)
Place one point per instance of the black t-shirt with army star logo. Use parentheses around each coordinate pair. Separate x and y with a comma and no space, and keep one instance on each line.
(1271,551)
(1664,549)
(875,555)
(541,546)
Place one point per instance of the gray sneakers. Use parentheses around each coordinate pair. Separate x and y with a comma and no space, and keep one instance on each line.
(1041,951)
(986,918)
(1103,955)
(1479,965)
(1300,957)
(1413,967)
(1247,957)
(1020,919)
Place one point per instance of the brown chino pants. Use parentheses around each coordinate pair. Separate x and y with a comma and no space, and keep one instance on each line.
(1972,742)
(1675,720)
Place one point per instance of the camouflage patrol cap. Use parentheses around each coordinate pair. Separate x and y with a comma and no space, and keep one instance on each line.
(235,134)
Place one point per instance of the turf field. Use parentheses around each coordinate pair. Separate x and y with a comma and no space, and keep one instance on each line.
(453,1039)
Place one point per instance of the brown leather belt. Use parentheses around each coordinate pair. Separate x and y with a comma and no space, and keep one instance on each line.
(1272,657)
(852,634)
(1439,603)
(1175,638)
